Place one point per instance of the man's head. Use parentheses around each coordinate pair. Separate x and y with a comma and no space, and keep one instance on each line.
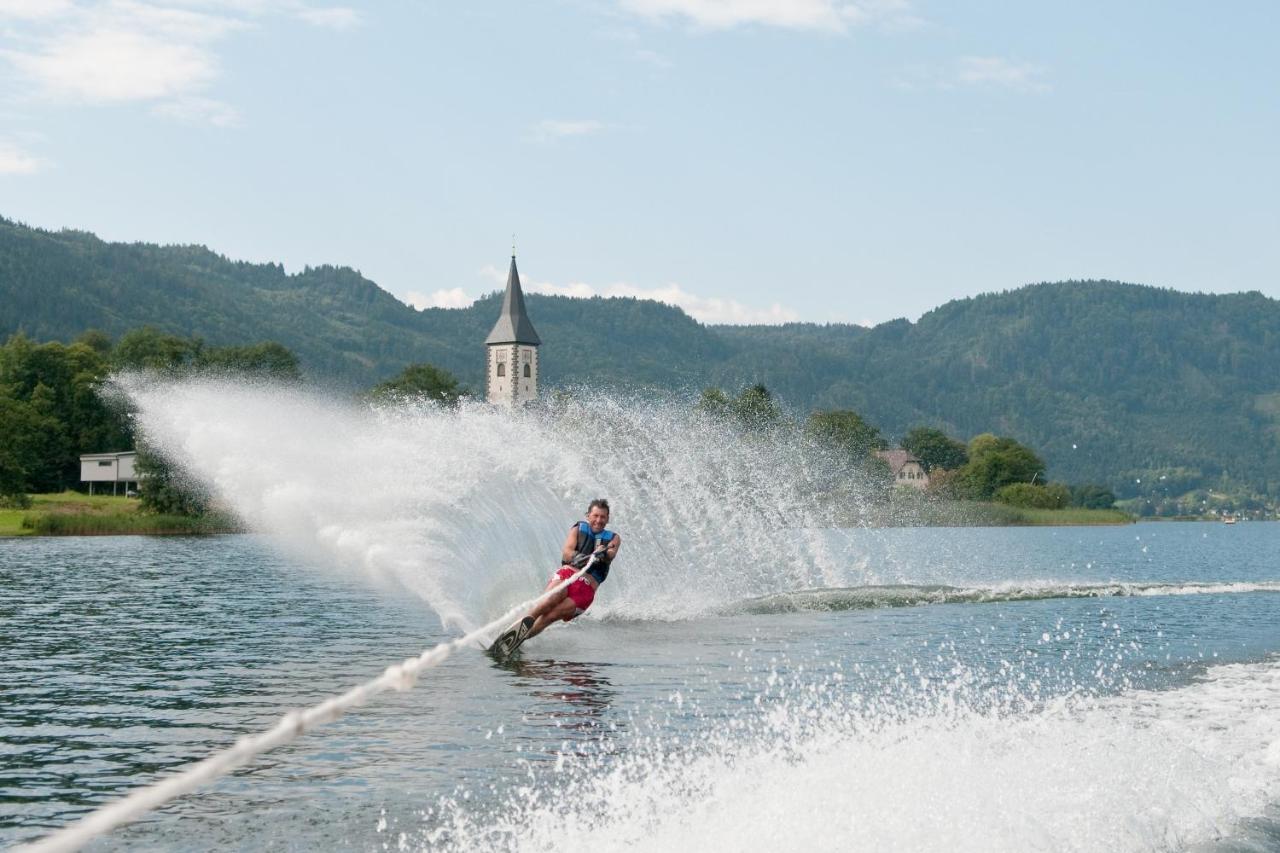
(598,514)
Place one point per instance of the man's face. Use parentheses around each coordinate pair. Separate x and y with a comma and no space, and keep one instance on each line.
(597,518)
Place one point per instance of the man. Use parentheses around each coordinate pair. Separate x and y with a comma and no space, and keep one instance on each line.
(585,540)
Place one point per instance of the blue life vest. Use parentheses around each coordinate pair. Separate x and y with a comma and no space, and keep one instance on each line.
(587,542)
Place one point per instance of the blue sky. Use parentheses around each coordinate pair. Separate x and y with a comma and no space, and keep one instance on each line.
(749,160)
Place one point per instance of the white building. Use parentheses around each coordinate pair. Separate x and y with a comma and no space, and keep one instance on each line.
(113,468)
(906,468)
(511,376)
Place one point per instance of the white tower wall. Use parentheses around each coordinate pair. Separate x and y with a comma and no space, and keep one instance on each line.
(505,374)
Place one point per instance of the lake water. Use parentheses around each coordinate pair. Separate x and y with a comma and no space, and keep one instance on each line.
(748,679)
(941,689)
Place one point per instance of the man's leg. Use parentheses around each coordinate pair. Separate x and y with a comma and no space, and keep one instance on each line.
(553,601)
(542,614)
(564,609)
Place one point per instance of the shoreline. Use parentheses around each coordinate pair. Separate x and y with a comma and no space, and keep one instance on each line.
(76,514)
(932,513)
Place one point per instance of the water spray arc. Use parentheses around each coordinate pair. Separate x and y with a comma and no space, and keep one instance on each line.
(457,507)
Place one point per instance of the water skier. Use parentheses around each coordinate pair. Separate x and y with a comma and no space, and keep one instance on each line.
(585,540)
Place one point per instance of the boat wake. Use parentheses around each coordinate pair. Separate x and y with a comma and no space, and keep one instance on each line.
(913,595)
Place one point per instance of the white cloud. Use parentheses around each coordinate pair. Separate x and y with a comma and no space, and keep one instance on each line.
(823,15)
(548,130)
(164,20)
(701,308)
(15,161)
(707,309)
(112,51)
(997,71)
(33,9)
(454,298)
(123,50)
(333,18)
(574,289)
(117,65)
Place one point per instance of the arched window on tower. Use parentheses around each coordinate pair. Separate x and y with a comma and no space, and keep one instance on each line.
(502,368)
(527,372)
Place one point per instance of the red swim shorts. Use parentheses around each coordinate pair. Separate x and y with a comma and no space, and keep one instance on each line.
(581,592)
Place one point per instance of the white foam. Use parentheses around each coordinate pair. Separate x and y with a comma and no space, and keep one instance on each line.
(1029,589)
(1146,770)
(1065,589)
(1209,588)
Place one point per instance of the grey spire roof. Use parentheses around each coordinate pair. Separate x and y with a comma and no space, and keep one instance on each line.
(513,326)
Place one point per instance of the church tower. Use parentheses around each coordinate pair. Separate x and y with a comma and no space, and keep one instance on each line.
(512,374)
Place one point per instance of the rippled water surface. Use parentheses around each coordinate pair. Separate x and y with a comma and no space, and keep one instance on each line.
(1065,689)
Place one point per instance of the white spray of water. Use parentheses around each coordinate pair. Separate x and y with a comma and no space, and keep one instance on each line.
(1142,771)
(467,508)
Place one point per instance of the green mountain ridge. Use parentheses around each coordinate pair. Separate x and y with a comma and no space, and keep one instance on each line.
(1113,383)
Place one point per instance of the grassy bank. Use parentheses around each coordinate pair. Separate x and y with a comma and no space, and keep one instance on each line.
(74,514)
(913,511)
(1069,516)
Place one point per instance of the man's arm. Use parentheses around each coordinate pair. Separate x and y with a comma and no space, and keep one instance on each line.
(614,544)
(570,547)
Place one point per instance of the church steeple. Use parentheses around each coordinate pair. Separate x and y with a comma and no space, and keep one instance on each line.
(511,376)
(513,326)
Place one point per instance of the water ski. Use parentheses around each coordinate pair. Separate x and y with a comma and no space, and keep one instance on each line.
(506,644)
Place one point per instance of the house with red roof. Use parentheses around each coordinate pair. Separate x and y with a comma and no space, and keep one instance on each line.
(907,469)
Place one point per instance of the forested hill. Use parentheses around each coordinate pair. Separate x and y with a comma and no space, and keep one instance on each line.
(343,327)
(1113,382)
(1145,383)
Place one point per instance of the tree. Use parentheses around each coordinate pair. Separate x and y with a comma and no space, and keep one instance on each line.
(755,408)
(422,380)
(149,348)
(847,431)
(947,484)
(13,481)
(1035,496)
(163,490)
(982,444)
(1092,496)
(268,359)
(714,402)
(995,462)
(34,446)
(98,341)
(935,449)
(879,475)
(64,415)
